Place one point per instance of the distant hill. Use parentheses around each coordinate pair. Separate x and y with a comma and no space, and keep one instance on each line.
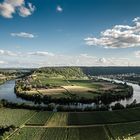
(82,71)
(110,70)
(67,72)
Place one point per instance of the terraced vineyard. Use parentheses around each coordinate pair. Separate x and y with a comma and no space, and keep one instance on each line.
(43,125)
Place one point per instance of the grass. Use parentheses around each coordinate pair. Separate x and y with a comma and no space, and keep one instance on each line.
(85,83)
(40,118)
(51,81)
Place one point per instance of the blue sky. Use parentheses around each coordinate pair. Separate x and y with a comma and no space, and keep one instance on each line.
(36,33)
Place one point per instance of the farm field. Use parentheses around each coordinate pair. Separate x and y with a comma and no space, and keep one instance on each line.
(96,133)
(62,88)
(58,119)
(14,116)
(121,130)
(44,125)
(104,117)
(40,118)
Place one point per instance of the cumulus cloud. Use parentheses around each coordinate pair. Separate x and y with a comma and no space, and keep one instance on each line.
(59,8)
(41,53)
(120,36)
(10,7)
(23,34)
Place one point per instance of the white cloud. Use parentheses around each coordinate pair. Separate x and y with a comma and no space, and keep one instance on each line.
(10,7)
(41,53)
(23,34)
(7,53)
(24,12)
(59,8)
(2,62)
(120,36)
(44,58)
(137,53)
(102,60)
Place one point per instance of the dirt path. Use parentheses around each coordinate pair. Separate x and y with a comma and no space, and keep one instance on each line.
(79,126)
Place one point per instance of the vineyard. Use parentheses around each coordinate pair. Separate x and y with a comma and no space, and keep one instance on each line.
(104,117)
(14,116)
(40,118)
(96,133)
(44,125)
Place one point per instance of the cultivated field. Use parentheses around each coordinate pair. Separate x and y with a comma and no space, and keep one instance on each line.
(44,125)
(15,116)
(59,88)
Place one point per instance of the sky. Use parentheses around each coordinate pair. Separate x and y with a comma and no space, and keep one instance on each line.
(38,33)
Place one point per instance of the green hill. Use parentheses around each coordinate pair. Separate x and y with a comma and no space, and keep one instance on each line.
(66,72)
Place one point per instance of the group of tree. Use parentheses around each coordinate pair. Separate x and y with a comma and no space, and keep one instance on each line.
(4,130)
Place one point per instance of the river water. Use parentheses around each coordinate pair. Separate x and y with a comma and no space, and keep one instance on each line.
(7,92)
(136,92)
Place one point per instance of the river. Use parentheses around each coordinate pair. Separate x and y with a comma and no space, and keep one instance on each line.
(7,92)
(136,92)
